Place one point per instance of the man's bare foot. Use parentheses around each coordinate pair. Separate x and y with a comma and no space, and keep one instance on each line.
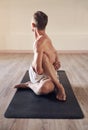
(22,85)
(61,95)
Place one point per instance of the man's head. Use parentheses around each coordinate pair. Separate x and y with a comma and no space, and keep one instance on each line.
(39,20)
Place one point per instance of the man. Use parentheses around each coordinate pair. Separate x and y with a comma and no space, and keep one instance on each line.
(42,72)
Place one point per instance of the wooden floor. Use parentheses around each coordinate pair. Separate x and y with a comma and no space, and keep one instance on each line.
(12,69)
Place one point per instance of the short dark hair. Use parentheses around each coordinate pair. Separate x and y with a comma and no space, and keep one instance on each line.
(41,20)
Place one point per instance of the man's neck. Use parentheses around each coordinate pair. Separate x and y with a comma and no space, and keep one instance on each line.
(39,33)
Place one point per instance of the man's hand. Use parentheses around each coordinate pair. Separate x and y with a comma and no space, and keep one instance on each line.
(57,65)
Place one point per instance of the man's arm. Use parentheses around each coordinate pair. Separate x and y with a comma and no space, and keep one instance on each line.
(38,59)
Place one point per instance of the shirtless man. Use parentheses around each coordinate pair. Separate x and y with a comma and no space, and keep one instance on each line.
(45,64)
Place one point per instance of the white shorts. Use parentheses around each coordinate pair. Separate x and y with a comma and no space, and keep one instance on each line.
(34,77)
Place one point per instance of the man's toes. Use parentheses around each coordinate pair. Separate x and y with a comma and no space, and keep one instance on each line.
(16,86)
(22,85)
(61,98)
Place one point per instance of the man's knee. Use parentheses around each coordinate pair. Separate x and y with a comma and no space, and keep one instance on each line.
(47,88)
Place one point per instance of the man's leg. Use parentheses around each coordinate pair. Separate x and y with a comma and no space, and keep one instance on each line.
(43,87)
(50,71)
(46,86)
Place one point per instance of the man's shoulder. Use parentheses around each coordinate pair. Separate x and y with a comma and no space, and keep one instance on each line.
(38,45)
(40,42)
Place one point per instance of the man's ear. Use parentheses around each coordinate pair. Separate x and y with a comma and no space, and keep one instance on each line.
(33,25)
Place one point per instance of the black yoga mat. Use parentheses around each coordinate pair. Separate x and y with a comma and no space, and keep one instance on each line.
(25,104)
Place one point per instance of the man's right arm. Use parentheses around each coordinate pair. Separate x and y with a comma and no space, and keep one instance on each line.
(38,56)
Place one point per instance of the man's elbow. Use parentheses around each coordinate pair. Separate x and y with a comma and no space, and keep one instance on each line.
(39,71)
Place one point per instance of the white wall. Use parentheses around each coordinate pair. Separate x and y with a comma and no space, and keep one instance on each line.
(67,27)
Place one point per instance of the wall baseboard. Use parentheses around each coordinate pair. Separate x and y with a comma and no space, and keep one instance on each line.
(31,51)
(72,51)
(16,51)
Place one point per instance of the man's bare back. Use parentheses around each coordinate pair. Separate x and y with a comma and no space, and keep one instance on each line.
(43,46)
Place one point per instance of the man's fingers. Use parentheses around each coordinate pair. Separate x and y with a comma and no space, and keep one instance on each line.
(57,65)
